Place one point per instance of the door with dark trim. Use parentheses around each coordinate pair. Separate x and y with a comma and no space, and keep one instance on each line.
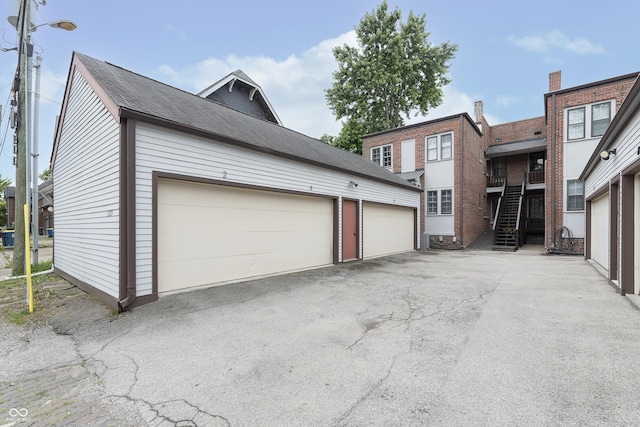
(349,230)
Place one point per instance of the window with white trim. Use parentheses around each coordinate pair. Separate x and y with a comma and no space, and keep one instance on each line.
(446,202)
(600,118)
(432,148)
(575,195)
(432,202)
(576,123)
(588,121)
(439,147)
(382,156)
(439,202)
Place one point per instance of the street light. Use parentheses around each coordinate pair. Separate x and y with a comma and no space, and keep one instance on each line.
(61,25)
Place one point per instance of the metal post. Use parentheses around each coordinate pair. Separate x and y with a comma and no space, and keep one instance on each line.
(35,193)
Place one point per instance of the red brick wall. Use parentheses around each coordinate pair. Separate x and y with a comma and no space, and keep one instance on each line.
(471,199)
(611,89)
(470,185)
(522,130)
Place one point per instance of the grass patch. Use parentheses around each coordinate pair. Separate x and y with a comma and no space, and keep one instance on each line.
(18,317)
(42,266)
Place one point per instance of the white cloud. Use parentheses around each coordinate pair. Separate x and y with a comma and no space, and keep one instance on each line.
(295,86)
(506,100)
(557,40)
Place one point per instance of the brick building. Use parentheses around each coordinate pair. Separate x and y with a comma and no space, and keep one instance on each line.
(518,180)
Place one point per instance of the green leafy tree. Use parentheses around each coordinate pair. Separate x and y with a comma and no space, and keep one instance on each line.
(45,175)
(4,182)
(394,70)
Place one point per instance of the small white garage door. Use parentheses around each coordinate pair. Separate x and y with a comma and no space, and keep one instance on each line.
(387,229)
(600,230)
(211,234)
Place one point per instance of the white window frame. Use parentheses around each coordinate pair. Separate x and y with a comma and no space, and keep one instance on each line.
(381,157)
(593,134)
(571,192)
(588,124)
(434,147)
(431,143)
(450,202)
(429,204)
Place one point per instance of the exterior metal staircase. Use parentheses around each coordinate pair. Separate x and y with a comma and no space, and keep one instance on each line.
(507,225)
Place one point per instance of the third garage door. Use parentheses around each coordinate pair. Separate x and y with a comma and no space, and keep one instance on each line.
(213,234)
(387,229)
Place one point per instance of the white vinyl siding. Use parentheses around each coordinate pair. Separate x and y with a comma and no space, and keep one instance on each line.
(163,150)
(86,174)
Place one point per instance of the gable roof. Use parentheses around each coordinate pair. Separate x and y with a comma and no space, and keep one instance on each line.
(127,94)
(221,90)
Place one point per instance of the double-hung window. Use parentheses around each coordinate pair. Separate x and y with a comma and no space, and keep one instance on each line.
(446,202)
(576,123)
(600,118)
(588,121)
(439,147)
(382,156)
(432,148)
(432,202)
(575,195)
(445,146)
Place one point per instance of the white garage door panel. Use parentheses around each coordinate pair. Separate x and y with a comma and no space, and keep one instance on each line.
(211,234)
(600,231)
(387,229)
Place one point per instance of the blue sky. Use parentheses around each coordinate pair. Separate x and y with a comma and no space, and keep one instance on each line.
(506,51)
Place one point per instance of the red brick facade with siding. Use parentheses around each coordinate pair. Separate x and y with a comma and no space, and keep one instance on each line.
(472,206)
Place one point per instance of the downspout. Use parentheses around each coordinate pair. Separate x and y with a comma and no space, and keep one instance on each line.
(460,214)
(553,171)
(127,214)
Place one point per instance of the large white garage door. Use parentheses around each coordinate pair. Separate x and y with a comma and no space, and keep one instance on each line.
(600,230)
(387,229)
(210,234)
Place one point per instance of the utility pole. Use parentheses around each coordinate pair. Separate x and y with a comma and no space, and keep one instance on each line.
(21,162)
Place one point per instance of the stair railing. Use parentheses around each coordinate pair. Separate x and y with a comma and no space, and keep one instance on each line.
(497,215)
(518,230)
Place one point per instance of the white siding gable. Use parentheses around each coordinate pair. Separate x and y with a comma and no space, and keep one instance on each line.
(86,180)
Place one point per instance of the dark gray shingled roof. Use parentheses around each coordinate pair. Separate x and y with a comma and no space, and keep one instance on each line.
(518,147)
(136,93)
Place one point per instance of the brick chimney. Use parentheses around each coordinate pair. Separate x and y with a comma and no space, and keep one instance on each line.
(478,111)
(554,81)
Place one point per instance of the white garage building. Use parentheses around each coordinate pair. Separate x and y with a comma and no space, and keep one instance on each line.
(612,195)
(159,190)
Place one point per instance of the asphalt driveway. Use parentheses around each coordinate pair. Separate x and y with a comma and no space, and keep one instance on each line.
(426,338)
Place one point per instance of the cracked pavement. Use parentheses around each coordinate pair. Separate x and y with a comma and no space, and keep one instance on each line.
(427,338)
